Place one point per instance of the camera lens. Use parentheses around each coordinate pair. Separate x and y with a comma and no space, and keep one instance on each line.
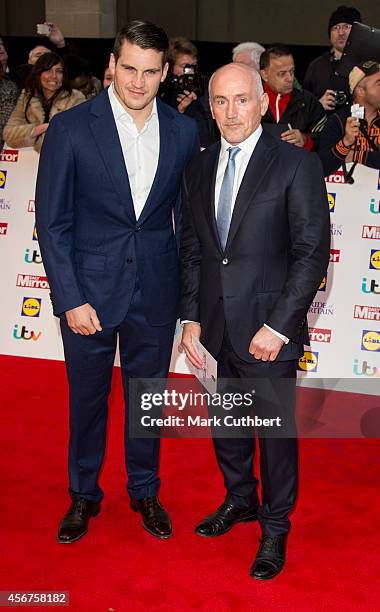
(340,98)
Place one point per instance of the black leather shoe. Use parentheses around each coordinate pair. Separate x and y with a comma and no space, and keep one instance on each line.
(155,518)
(224,518)
(74,524)
(270,557)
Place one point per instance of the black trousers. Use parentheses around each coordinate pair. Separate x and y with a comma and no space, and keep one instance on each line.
(145,352)
(278,456)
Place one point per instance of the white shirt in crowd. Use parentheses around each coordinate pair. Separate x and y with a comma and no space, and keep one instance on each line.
(140,149)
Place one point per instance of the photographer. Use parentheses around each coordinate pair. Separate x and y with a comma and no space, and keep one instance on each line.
(322,76)
(186,89)
(347,138)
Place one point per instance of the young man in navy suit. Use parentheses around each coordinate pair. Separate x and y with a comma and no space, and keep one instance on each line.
(107,189)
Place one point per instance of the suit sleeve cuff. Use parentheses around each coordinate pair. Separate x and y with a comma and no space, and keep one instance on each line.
(187,321)
(283,338)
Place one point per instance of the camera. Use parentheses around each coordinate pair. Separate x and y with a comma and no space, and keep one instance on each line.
(43,29)
(340,98)
(189,81)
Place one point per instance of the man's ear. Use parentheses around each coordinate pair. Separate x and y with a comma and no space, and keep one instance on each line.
(264,103)
(211,109)
(165,72)
(112,63)
(263,74)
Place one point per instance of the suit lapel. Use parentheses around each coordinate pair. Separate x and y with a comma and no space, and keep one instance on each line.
(167,159)
(104,129)
(257,169)
(209,171)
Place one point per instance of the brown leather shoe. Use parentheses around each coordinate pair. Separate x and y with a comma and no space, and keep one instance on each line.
(74,524)
(155,518)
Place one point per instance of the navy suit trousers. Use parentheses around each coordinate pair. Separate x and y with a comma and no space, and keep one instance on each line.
(144,353)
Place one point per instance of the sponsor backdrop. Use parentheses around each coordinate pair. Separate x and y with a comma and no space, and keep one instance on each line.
(344,318)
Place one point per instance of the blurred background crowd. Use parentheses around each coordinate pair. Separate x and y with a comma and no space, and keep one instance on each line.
(312,111)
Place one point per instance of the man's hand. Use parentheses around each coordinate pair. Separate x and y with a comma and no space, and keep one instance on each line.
(185,99)
(328,100)
(265,345)
(187,343)
(83,320)
(295,137)
(56,37)
(352,131)
(39,129)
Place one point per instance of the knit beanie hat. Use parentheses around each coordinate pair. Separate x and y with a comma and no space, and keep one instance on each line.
(344,14)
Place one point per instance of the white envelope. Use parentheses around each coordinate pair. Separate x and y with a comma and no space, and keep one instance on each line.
(208,373)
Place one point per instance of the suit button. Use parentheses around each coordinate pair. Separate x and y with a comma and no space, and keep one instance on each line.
(129,260)
(225,261)
(138,228)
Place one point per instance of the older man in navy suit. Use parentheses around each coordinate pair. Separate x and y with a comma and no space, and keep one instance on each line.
(108,188)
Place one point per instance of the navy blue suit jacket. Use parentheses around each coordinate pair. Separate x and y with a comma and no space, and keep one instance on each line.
(92,246)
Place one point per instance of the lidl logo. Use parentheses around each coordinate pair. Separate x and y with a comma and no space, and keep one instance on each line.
(31,307)
(322,286)
(374,261)
(35,237)
(308,362)
(331,197)
(3,178)
(370,340)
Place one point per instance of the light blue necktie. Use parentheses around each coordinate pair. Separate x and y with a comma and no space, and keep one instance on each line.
(223,215)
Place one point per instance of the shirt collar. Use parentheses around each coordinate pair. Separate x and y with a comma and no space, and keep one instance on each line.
(246,145)
(119,111)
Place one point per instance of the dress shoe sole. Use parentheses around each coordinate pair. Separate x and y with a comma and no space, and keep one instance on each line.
(248,519)
(263,578)
(78,537)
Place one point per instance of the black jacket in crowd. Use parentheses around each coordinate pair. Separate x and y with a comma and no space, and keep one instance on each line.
(304,112)
(323,73)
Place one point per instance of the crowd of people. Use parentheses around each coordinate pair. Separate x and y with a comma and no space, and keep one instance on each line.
(314,115)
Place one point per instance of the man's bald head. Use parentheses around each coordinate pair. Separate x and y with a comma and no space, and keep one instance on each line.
(36,53)
(237,101)
(251,73)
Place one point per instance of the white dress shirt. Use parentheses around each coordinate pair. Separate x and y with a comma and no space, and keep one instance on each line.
(241,162)
(140,149)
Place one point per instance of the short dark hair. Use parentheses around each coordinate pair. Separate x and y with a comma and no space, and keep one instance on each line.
(145,35)
(277,50)
(180,46)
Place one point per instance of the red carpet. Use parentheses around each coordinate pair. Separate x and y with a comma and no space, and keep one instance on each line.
(333,551)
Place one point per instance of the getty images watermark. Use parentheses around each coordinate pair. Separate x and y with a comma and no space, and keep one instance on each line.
(192,399)
(184,408)
(241,408)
